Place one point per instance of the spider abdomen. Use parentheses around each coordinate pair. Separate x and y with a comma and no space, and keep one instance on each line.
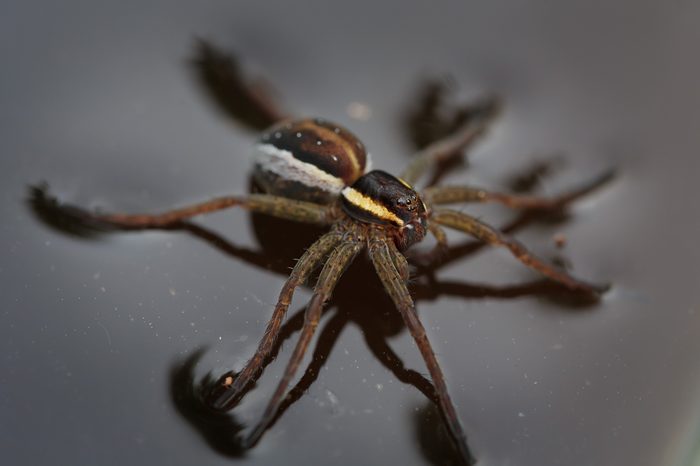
(308,159)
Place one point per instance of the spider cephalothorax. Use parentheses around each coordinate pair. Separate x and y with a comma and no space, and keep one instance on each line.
(383,199)
(316,172)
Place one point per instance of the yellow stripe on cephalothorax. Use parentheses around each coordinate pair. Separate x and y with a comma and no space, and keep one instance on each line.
(368,204)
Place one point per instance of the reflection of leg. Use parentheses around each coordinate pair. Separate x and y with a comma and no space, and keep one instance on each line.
(389,359)
(453,194)
(488,234)
(336,264)
(453,145)
(231,387)
(431,289)
(324,344)
(381,255)
(248,101)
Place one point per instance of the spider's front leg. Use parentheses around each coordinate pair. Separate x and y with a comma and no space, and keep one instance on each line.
(490,235)
(231,386)
(337,262)
(436,195)
(383,254)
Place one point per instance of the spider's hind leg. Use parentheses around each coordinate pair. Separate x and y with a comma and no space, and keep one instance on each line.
(333,269)
(276,206)
(382,253)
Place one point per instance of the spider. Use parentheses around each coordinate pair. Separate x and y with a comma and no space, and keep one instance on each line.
(313,171)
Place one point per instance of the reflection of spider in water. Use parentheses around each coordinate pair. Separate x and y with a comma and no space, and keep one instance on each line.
(316,172)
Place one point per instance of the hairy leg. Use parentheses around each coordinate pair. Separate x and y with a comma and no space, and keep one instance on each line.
(382,257)
(336,264)
(454,194)
(275,206)
(230,387)
(488,234)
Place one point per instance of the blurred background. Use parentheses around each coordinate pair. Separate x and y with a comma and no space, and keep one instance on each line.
(102,335)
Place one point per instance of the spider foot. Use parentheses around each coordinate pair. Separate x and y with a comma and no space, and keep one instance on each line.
(223,395)
(65,218)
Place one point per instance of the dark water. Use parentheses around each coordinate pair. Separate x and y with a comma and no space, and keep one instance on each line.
(101,102)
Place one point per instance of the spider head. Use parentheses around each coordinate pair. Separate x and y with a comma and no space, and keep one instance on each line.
(383,199)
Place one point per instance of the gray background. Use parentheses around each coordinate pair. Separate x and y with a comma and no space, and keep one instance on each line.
(98,99)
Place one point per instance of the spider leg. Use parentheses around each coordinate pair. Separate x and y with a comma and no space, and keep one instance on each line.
(488,234)
(248,101)
(381,254)
(300,211)
(453,194)
(230,387)
(444,149)
(334,267)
